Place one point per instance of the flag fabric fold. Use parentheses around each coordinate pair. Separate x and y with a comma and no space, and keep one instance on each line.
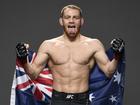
(103,91)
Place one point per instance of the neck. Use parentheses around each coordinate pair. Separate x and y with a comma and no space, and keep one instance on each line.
(72,39)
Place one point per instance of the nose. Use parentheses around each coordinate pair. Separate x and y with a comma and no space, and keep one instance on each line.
(71,20)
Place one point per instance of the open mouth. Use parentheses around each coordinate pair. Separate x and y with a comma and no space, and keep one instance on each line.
(69,26)
(71,29)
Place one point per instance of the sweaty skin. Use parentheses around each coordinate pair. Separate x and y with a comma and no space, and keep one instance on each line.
(71,56)
(71,64)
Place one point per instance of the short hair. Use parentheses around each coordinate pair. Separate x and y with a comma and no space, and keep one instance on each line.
(72,7)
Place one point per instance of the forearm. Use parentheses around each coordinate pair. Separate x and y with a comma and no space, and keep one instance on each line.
(117,46)
(22,55)
(30,70)
(112,65)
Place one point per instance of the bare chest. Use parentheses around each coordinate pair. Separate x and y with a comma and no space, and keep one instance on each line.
(80,54)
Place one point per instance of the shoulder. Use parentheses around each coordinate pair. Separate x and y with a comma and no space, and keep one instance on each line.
(50,42)
(93,41)
(96,42)
(47,44)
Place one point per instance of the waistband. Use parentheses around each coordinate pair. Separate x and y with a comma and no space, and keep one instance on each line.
(70,96)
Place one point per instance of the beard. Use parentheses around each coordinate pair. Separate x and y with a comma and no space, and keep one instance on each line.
(72,31)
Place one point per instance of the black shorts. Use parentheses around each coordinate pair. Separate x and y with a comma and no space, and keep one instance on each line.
(61,98)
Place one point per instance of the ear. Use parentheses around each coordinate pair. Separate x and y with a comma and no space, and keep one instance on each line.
(60,21)
(82,21)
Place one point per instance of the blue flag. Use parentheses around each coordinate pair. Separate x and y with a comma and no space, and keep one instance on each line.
(103,91)
(107,91)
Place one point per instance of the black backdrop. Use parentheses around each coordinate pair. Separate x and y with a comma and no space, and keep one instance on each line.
(37,20)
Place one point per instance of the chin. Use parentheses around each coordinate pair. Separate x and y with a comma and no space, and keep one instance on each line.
(72,35)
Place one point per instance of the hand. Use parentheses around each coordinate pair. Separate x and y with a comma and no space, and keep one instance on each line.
(117,45)
(22,51)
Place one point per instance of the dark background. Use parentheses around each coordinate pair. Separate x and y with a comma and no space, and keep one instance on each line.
(34,21)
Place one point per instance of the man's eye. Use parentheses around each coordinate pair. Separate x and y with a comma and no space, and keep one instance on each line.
(66,17)
(77,17)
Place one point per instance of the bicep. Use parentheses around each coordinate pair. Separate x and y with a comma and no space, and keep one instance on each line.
(101,58)
(41,58)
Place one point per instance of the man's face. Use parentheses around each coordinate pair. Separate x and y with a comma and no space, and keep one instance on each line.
(71,21)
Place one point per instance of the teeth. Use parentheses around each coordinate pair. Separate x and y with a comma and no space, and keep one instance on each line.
(71,26)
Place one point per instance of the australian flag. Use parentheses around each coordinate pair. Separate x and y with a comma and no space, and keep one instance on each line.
(103,90)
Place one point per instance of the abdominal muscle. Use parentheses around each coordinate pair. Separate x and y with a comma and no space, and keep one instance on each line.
(72,79)
(71,65)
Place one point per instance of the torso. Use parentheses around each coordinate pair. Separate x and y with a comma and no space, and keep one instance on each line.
(71,64)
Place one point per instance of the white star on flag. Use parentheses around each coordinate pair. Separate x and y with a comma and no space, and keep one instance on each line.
(113,98)
(117,77)
(91,97)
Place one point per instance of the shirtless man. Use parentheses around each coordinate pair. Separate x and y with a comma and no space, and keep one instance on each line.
(70,57)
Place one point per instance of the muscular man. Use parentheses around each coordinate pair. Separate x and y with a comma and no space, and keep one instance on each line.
(70,57)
